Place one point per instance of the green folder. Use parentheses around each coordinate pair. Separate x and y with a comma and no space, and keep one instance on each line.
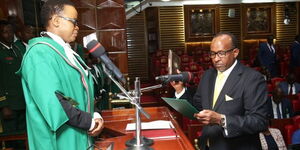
(182,106)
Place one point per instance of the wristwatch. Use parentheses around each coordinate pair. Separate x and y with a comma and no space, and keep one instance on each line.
(222,122)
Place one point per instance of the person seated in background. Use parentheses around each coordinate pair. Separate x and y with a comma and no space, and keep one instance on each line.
(272,139)
(296,137)
(12,102)
(267,56)
(279,106)
(290,86)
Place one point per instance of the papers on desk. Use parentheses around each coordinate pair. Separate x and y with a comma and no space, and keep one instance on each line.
(159,134)
(159,129)
(158,124)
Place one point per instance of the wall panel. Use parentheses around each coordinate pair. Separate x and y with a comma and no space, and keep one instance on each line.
(171,23)
(137,51)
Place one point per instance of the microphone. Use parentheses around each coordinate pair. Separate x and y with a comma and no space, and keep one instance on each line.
(183,76)
(97,50)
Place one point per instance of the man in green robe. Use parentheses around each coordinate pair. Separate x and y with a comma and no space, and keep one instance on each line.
(58,85)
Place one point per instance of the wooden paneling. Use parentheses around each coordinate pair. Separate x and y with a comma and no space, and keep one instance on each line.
(171,23)
(107,19)
(201,22)
(286,33)
(232,24)
(137,51)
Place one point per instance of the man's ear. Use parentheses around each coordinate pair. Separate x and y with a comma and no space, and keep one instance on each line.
(236,52)
(55,20)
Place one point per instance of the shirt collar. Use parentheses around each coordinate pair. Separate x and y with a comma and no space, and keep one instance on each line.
(228,71)
(15,38)
(8,47)
(57,39)
(61,42)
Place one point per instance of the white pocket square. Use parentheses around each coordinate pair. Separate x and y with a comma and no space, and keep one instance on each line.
(228,98)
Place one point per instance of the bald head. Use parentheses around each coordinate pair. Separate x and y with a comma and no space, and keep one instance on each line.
(223,51)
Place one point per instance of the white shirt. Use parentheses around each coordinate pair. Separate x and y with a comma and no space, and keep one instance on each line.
(6,46)
(293,89)
(271,48)
(274,106)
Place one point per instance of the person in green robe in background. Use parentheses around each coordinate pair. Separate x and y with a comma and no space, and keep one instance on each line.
(12,102)
(58,85)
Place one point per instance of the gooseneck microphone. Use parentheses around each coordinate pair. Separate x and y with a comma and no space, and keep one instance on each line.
(97,50)
(183,76)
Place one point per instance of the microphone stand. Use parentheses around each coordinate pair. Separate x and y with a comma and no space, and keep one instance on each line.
(139,142)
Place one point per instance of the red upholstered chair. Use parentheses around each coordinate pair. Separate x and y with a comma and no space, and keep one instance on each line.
(284,68)
(185,60)
(270,88)
(296,105)
(296,120)
(290,129)
(276,81)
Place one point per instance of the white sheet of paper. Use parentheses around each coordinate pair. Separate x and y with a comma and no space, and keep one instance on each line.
(158,124)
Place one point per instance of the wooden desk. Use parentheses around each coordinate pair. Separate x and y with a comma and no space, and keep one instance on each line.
(115,122)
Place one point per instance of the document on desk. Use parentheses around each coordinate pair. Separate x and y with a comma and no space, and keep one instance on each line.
(157,124)
(182,106)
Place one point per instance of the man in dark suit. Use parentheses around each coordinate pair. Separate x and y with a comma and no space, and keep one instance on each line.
(267,56)
(279,106)
(290,86)
(233,108)
(295,57)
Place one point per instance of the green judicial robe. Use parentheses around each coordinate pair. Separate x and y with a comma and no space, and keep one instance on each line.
(43,72)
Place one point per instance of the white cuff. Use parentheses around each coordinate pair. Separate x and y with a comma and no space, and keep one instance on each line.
(96,116)
(225,126)
(180,94)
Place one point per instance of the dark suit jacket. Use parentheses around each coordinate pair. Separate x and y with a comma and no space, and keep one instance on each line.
(285,87)
(268,59)
(245,114)
(295,55)
(286,108)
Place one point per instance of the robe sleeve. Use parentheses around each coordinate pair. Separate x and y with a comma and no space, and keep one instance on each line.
(42,80)
(77,118)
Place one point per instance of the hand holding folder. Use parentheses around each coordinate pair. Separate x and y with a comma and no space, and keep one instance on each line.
(182,106)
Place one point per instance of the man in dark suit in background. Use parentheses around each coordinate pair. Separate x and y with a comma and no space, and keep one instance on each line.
(267,56)
(233,109)
(290,86)
(279,106)
(295,57)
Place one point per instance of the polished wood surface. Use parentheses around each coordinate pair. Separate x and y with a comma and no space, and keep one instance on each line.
(115,122)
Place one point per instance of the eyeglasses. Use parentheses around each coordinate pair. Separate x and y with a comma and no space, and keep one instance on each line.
(220,54)
(74,21)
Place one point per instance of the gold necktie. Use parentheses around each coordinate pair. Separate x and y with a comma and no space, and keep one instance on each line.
(218,87)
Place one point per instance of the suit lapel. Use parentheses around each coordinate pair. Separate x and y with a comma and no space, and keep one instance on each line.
(233,78)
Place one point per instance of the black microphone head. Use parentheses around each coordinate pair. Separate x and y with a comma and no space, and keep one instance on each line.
(95,48)
(186,76)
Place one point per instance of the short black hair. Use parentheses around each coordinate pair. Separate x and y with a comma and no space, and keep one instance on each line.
(4,23)
(233,38)
(52,7)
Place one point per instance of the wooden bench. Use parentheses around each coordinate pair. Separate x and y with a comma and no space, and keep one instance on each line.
(22,136)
